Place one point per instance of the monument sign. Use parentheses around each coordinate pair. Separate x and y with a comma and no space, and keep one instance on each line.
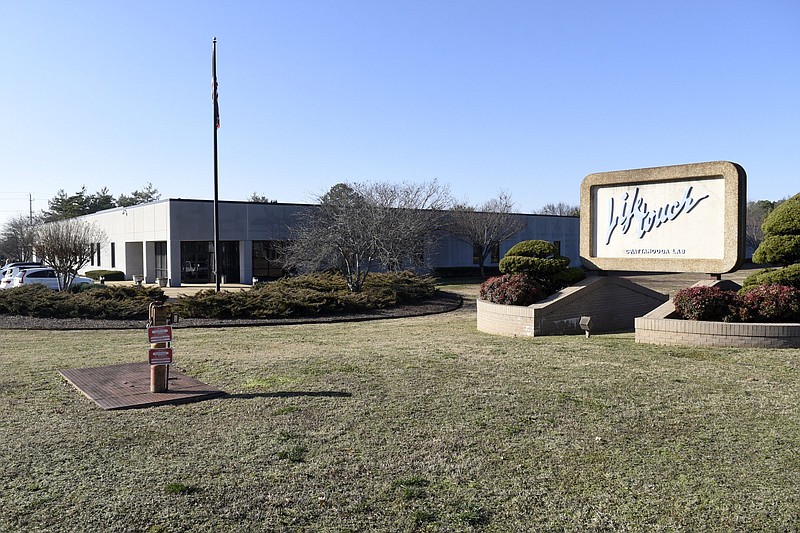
(683,218)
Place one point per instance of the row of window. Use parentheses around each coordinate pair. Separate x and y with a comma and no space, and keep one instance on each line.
(198,255)
(94,258)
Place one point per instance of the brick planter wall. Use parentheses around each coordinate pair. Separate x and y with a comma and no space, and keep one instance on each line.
(613,303)
(660,326)
(674,331)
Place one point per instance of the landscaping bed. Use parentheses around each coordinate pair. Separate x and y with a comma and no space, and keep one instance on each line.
(442,302)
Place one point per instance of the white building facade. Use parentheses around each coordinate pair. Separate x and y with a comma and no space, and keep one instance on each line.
(174,240)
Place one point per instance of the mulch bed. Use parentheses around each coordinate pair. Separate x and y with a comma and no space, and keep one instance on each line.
(441,303)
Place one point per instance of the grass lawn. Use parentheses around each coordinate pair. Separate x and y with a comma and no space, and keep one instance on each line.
(408,424)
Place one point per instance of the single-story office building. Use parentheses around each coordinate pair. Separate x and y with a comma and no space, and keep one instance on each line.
(173,239)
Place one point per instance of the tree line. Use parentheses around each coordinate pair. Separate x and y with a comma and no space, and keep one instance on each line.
(65,244)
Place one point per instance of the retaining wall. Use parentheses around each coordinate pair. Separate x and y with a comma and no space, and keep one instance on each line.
(661,326)
(613,303)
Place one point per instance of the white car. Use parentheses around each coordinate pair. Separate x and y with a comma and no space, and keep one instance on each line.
(45,276)
(8,272)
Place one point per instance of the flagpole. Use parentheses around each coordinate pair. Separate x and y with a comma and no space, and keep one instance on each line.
(215,98)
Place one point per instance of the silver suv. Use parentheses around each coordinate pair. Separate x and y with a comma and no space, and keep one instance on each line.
(10,270)
(45,276)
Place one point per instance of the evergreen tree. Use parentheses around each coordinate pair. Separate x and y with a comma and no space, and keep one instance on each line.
(781,245)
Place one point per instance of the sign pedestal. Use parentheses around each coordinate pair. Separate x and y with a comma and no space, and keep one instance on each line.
(159,334)
(159,378)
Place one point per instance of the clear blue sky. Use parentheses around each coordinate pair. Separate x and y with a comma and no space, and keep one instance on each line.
(523,96)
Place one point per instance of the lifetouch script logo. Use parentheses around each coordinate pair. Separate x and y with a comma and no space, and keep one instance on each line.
(634,207)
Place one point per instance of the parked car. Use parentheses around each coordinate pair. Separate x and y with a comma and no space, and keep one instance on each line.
(45,276)
(10,270)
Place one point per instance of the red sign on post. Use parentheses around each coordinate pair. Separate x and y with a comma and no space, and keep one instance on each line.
(159,334)
(160,356)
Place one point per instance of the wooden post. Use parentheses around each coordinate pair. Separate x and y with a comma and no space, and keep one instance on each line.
(159,374)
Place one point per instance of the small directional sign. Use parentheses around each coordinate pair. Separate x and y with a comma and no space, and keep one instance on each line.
(159,334)
(160,356)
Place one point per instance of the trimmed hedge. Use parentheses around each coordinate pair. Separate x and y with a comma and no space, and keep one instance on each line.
(512,289)
(778,249)
(781,245)
(309,295)
(763,303)
(532,248)
(707,303)
(771,303)
(535,266)
(789,275)
(784,219)
(96,301)
(537,260)
(109,275)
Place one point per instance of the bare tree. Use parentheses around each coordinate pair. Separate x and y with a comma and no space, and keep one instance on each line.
(359,227)
(561,209)
(486,226)
(67,246)
(338,234)
(16,243)
(406,217)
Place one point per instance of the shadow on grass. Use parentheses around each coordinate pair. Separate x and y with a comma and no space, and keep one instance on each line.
(289,394)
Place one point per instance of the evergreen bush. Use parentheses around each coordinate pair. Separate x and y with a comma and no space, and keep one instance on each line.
(788,275)
(781,245)
(308,295)
(109,275)
(537,259)
(98,301)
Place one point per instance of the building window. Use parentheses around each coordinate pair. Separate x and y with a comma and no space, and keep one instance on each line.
(557,245)
(267,261)
(98,254)
(91,253)
(160,250)
(113,256)
(494,253)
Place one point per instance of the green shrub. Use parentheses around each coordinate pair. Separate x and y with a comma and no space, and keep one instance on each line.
(537,259)
(532,248)
(309,295)
(95,301)
(540,268)
(784,219)
(778,249)
(789,275)
(109,275)
(569,276)
(781,245)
